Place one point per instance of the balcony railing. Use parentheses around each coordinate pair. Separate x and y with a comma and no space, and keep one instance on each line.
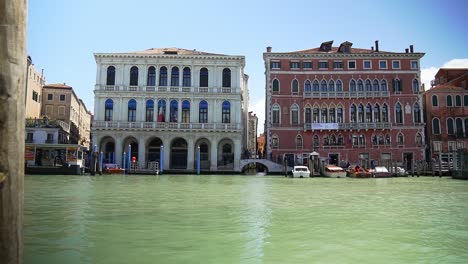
(343,126)
(171,89)
(163,126)
(342,94)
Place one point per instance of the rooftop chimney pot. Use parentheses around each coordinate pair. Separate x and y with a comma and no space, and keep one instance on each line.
(411,48)
(372,48)
(377,46)
(406,50)
(268,49)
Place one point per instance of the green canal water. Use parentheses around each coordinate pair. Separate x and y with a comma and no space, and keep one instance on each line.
(244,219)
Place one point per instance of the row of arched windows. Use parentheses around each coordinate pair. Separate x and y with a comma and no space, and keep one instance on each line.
(454,126)
(356,140)
(332,86)
(163,76)
(449,100)
(173,111)
(359,113)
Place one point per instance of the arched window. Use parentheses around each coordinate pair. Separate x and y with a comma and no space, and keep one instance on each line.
(400,139)
(459,127)
(203,77)
(187,77)
(436,126)
(324,114)
(294,114)
(110,75)
(397,85)
(203,112)
(326,140)
(226,77)
(388,140)
(385,113)
(368,86)
(151,78)
(360,85)
(185,111)
(465,100)
(323,86)
(163,76)
(435,101)
(276,114)
(362,140)
(398,114)
(450,126)
(315,86)
(339,86)
(415,86)
(226,112)
(132,110)
(175,77)
(339,114)
(383,85)
(333,140)
(308,115)
(458,100)
(315,115)
(298,142)
(275,85)
(332,114)
(352,85)
(340,140)
(307,86)
(174,111)
(331,86)
(449,100)
(149,117)
(109,109)
(274,141)
(368,113)
(353,113)
(316,141)
(134,76)
(162,111)
(376,85)
(295,86)
(416,113)
(361,113)
(377,113)
(419,139)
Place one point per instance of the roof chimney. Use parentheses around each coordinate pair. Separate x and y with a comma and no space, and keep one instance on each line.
(411,48)
(406,50)
(372,48)
(268,49)
(377,46)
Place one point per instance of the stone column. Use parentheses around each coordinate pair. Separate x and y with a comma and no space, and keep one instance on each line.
(214,155)
(167,153)
(118,151)
(179,111)
(141,152)
(237,154)
(13,66)
(191,154)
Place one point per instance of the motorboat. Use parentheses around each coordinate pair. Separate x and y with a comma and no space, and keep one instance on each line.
(358,172)
(334,171)
(110,168)
(381,172)
(300,172)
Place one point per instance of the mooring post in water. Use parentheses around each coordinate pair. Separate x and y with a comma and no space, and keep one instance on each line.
(13,63)
(198,160)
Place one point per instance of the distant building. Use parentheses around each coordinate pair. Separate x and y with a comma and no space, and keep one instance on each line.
(59,102)
(446,108)
(168,102)
(252,134)
(33,93)
(261,145)
(346,103)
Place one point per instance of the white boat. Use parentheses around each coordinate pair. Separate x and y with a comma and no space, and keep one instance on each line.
(334,171)
(300,172)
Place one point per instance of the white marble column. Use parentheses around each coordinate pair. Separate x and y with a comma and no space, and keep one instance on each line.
(214,155)
(237,154)
(179,111)
(142,152)
(191,154)
(118,151)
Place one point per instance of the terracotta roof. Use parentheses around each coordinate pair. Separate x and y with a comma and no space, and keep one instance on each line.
(335,50)
(172,51)
(57,85)
(445,87)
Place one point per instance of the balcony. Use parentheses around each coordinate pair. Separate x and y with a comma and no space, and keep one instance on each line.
(346,126)
(171,89)
(109,87)
(166,126)
(49,141)
(344,95)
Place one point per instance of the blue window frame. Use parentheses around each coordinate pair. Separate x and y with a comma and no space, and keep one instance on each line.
(187,78)
(203,77)
(134,76)
(226,112)
(185,111)
(132,105)
(162,111)
(110,75)
(226,77)
(174,111)
(203,112)
(163,76)
(151,80)
(109,109)
(175,77)
(149,117)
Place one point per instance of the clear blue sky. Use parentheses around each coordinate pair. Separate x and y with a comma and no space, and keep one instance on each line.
(63,35)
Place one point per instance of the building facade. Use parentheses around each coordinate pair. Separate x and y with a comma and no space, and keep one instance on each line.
(252,134)
(168,103)
(446,115)
(33,93)
(59,102)
(362,106)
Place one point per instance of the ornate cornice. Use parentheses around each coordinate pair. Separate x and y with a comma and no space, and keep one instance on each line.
(343,55)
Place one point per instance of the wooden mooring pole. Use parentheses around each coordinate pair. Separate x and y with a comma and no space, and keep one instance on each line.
(12,88)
